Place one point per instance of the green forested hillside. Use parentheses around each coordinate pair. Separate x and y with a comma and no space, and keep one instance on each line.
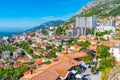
(101,8)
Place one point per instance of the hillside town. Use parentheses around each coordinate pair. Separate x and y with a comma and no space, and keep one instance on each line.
(84,50)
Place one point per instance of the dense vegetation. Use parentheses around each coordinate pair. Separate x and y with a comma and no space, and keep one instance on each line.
(7,47)
(12,73)
(92,32)
(61,31)
(107,62)
(87,59)
(103,51)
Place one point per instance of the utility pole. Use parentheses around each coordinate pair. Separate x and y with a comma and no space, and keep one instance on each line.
(95,33)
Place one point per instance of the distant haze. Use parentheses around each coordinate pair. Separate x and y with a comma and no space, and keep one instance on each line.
(6,29)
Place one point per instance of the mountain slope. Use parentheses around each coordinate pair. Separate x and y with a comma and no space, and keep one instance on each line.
(101,8)
(47,25)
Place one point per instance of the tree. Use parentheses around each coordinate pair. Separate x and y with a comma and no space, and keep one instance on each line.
(29,51)
(107,62)
(103,51)
(59,31)
(105,73)
(84,45)
(72,41)
(92,31)
(13,73)
(48,62)
(78,70)
(45,32)
(87,59)
(64,31)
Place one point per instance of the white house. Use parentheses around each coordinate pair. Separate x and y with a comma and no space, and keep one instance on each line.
(107,36)
(115,51)
(103,28)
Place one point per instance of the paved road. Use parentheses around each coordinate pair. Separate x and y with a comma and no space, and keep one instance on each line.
(25,53)
(92,76)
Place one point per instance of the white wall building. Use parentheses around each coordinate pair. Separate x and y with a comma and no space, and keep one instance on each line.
(6,54)
(5,38)
(115,51)
(103,28)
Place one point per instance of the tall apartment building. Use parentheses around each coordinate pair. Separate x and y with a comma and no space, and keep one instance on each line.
(88,22)
(83,24)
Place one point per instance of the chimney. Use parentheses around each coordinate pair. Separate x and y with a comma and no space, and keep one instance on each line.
(30,71)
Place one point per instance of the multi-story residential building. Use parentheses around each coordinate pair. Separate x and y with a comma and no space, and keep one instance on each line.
(6,54)
(83,24)
(69,33)
(17,53)
(115,51)
(103,28)
(110,25)
(88,22)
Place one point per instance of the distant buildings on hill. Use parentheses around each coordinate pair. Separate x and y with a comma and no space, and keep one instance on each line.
(84,24)
(111,25)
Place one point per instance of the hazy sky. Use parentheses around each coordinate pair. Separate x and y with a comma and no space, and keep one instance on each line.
(24,14)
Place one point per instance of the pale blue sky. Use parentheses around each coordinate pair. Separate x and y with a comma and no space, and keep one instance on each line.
(24,14)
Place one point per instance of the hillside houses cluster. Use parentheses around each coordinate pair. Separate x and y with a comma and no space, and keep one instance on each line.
(65,56)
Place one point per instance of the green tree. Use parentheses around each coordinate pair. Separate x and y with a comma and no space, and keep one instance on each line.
(13,73)
(48,62)
(72,41)
(29,51)
(87,59)
(103,51)
(107,62)
(78,70)
(59,31)
(45,32)
(84,45)
(105,73)
(92,31)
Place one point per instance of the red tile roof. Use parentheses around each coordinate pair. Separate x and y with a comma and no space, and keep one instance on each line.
(48,72)
(76,55)
(38,62)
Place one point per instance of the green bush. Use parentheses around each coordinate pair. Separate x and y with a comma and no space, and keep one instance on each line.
(48,62)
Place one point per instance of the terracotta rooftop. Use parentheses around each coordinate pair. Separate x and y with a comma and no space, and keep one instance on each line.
(48,72)
(76,46)
(83,38)
(54,59)
(45,53)
(63,57)
(108,43)
(57,37)
(16,65)
(24,59)
(117,63)
(38,62)
(37,52)
(76,55)
(93,47)
(61,73)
